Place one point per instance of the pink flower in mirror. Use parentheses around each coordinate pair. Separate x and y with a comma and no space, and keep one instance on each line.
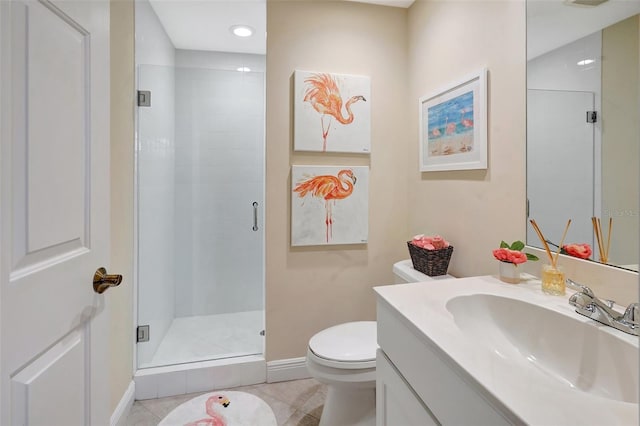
(581,251)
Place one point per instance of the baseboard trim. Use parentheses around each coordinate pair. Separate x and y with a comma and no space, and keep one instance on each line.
(203,376)
(282,370)
(121,412)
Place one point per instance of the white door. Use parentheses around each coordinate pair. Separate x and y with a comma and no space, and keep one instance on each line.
(560,165)
(54,220)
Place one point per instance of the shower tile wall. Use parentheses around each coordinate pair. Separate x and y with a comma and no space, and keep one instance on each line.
(219,174)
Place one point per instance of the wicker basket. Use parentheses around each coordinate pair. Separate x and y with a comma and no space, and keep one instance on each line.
(430,262)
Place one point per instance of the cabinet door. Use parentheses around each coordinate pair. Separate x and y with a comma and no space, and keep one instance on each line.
(396,403)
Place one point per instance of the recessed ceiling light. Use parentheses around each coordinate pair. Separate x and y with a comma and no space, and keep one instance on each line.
(244,69)
(586,62)
(242,30)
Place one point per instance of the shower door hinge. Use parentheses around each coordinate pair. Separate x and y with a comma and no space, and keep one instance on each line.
(592,116)
(142,333)
(144,98)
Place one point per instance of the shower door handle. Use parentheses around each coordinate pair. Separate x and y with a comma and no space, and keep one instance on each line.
(255,216)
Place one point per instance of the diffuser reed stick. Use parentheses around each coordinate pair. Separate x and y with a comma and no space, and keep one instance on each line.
(603,257)
(566,228)
(543,240)
(609,239)
(597,229)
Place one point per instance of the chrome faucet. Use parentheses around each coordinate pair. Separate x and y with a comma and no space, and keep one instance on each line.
(587,304)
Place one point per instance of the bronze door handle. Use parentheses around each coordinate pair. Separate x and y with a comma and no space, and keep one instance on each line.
(102,281)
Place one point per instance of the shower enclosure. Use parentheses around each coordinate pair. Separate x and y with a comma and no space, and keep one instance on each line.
(200,189)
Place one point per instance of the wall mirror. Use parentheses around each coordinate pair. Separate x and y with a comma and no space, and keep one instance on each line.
(583,122)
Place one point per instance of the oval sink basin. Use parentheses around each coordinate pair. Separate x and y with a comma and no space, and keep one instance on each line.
(580,354)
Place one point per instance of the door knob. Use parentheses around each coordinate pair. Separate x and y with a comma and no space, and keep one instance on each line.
(102,281)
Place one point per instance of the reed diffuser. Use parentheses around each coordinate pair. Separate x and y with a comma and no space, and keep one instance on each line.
(552,274)
(597,230)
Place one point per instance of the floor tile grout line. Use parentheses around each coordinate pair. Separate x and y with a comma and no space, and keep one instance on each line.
(288,402)
(155,417)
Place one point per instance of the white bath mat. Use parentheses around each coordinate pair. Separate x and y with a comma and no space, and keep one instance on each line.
(222,408)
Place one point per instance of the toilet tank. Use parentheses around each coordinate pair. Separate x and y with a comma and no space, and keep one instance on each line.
(403,272)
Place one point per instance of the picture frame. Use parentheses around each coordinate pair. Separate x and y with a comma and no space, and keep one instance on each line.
(331,112)
(329,205)
(453,126)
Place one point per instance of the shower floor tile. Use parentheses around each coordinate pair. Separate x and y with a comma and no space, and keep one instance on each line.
(208,337)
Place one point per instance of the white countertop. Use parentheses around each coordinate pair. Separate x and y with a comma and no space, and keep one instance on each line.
(536,395)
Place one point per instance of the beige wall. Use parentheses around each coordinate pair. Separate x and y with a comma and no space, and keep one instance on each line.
(474,210)
(620,138)
(308,289)
(120,299)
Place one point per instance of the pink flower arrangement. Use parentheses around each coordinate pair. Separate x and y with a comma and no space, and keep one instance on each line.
(581,251)
(435,242)
(510,256)
(512,253)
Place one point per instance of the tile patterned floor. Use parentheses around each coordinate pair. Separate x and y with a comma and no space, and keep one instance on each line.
(294,403)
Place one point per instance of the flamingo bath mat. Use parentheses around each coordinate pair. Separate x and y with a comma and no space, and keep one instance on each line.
(222,408)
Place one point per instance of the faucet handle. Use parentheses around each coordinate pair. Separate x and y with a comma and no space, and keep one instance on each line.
(610,303)
(581,301)
(632,314)
(581,288)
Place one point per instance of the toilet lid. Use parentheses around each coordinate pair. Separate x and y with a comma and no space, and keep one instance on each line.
(349,342)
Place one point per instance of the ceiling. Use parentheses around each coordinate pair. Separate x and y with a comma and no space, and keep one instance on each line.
(204,24)
(554,23)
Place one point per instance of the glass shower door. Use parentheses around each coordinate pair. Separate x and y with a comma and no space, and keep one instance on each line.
(155,221)
(215,233)
(559,138)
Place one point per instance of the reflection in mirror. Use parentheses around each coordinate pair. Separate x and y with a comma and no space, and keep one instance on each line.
(583,126)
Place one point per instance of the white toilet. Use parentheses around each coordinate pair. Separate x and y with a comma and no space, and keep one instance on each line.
(344,358)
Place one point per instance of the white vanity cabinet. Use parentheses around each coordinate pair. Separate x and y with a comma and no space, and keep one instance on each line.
(477,351)
(417,384)
(396,402)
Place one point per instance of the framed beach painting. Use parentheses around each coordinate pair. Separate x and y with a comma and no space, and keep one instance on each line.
(332,112)
(453,126)
(329,205)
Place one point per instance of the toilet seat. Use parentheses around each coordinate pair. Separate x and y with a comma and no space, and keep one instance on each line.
(346,346)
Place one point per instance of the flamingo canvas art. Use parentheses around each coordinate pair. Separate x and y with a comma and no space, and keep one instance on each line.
(329,205)
(332,112)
